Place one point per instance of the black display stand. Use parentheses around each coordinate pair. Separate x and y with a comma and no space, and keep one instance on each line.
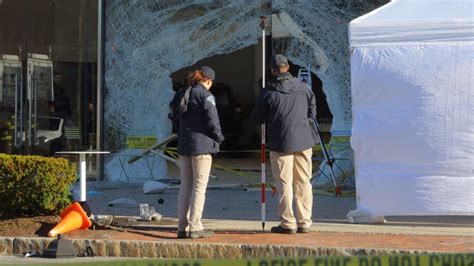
(60,248)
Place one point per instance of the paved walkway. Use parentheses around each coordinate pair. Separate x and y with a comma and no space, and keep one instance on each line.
(235,239)
(452,244)
(235,215)
(399,237)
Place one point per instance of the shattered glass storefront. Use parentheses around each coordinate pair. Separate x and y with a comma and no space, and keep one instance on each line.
(48,74)
(150,47)
(49,95)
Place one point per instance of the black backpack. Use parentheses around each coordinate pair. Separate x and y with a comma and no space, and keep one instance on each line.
(179,104)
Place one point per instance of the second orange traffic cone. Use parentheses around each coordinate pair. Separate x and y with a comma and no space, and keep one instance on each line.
(72,218)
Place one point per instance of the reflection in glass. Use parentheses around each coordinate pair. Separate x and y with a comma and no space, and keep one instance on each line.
(48,63)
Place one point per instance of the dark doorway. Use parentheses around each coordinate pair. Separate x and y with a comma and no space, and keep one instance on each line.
(324,114)
(238,83)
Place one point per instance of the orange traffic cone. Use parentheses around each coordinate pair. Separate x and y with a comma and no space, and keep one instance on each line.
(72,218)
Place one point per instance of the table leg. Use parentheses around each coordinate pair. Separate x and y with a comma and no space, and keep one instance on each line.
(150,167)
(122,164)
(82,159)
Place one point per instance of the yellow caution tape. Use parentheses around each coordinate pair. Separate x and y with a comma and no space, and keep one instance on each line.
(340,139)
(384,260)
(140,142)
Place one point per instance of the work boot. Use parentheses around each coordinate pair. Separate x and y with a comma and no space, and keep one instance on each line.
(303,230)
(182,234)
(201,234)
(281,230)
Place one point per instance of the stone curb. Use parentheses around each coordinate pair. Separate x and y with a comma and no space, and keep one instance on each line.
(181,249)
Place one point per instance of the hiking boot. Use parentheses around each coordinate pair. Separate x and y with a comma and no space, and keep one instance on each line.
(182,234)
(201,234)
(303,230)
(281,230)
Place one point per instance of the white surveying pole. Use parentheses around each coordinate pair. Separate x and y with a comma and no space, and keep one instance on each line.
(263,25)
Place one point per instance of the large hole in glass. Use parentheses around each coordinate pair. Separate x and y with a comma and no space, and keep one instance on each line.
(324,114)
(238,82)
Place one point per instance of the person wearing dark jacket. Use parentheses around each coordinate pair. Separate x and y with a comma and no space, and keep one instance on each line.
(199,138)
(287,107)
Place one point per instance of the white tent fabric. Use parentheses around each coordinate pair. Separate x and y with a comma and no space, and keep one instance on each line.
(408,21)
(412,68)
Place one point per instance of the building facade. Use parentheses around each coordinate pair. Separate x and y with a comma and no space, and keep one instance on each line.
(82,74)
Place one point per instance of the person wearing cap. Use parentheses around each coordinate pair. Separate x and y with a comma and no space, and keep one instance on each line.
(199,137)
(288,107)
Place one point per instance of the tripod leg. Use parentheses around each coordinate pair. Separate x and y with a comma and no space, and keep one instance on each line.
(329,161)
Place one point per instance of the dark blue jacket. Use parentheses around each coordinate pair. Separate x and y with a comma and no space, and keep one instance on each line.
(199,128)
(286,106)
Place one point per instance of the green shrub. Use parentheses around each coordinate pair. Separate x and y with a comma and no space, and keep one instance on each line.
(34,185)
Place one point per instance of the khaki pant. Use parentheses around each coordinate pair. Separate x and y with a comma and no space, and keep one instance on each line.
(192,192)
(292,174)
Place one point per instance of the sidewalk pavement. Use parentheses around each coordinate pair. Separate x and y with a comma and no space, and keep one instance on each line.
(236,239)
(235,214)
(393,237)
(244,239)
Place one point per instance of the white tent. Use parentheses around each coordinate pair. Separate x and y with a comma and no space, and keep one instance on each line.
(412,68)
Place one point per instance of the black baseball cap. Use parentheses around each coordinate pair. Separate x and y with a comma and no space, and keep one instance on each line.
(208,72)
(279,60)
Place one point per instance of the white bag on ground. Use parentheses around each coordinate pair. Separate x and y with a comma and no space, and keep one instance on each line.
(154,187)
(123,203)
(362,217)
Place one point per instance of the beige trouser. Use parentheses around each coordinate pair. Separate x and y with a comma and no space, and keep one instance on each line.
(192,192)
(292,173)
